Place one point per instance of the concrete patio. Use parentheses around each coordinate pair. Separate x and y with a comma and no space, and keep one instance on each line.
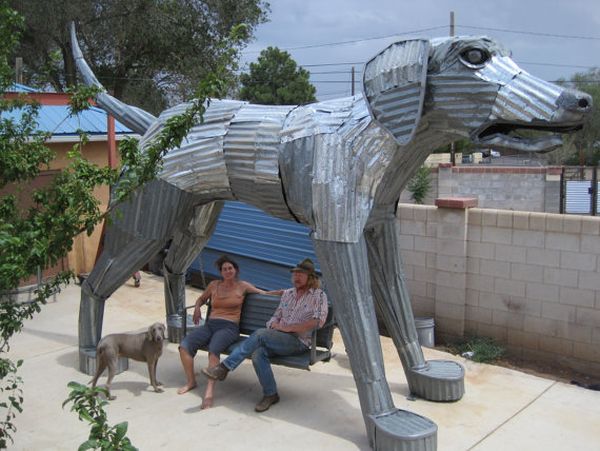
(502,408)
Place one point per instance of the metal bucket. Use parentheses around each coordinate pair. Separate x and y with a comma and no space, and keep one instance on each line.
(174,328)
(425,331)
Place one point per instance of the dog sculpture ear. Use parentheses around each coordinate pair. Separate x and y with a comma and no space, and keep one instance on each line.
(394,85)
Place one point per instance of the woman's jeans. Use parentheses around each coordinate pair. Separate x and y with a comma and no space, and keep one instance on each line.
(261,345)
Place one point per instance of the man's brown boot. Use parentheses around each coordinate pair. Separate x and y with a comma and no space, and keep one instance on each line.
(217,373)
(267,402)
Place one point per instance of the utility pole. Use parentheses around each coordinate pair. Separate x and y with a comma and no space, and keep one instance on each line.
(19,70)
(452,148)
(353,80)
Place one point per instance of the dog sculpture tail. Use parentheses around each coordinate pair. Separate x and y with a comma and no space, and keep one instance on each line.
(135,118)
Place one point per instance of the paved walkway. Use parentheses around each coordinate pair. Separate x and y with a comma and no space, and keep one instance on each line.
(502,409)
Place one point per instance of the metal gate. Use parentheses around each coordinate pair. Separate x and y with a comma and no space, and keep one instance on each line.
(579,190)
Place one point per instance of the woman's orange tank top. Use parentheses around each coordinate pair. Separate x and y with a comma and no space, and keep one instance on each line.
(227,307)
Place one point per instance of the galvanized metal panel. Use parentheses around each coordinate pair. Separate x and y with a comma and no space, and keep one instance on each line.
(135,118)
(578,198)
(198,165)
(461,99)
(394,84)
(251,150)
(316,118)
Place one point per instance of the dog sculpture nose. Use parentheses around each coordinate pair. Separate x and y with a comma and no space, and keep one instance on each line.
(575,101)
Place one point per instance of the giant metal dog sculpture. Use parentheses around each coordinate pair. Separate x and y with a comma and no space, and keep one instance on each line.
(338,167)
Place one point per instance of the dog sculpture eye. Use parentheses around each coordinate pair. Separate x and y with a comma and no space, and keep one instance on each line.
(475,58)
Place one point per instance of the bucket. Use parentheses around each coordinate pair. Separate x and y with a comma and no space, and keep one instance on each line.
(425,331)
(174,328)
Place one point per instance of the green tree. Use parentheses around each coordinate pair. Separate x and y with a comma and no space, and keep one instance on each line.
(275,79)
(37,237)
(583,147)
(148,53)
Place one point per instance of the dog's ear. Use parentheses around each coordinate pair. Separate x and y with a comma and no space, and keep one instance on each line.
(394,85)
(149,334)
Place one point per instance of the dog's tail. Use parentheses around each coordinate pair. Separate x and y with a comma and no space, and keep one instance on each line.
(135,118)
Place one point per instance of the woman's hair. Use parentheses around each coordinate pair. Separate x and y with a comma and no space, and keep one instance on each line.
(226,259)
(313,281)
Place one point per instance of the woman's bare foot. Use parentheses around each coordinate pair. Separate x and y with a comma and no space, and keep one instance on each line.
(207,403)
(186,388)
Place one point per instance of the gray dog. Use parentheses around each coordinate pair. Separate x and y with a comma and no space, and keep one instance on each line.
(143,347)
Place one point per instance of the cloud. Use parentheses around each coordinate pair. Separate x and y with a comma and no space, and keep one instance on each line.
(311,22)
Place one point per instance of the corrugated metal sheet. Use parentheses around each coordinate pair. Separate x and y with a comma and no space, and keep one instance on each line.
(251,151)
(265,247)
(578,199)
(316,118)
(55,119)
(394,83)
(198,165)
(135,118)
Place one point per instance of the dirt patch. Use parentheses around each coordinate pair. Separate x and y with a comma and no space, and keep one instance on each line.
(542,369)
(550,371)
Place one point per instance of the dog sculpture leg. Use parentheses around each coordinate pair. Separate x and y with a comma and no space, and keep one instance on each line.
(185,247)
(346,272)
(434,380)
(134,236)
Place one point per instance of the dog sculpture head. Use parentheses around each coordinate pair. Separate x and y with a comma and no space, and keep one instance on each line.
(467,87)
(156,332)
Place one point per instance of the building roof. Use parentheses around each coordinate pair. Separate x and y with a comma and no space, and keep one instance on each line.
(53,117)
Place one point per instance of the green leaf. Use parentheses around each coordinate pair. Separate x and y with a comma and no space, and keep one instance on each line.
(88,444)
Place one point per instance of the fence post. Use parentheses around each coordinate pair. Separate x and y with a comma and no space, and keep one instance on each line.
(594,197)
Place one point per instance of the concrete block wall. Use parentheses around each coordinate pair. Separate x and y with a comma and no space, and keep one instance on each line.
(509,188)
(530,280)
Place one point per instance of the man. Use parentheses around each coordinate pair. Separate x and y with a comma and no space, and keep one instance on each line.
(301,309)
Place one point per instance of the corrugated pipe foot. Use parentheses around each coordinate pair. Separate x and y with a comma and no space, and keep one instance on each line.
(439,380)
(401,430)
(87,362)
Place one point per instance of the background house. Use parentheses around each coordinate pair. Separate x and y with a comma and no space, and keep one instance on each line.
(103,133)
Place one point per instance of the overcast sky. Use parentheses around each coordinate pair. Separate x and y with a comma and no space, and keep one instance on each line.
(548,38)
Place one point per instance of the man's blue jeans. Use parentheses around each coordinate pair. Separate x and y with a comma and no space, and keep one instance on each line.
(261,345)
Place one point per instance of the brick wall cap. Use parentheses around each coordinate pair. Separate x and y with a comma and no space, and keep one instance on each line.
(456,202)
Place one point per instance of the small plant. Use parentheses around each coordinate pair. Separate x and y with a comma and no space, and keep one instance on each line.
(420,185)
(12,399)
(90,407)
(480,349)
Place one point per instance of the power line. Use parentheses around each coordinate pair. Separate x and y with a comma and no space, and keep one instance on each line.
(332,72)
(354,41)
(330,81)
(356,63)
(336,93)
(532,33)
(556,65)
(374,38)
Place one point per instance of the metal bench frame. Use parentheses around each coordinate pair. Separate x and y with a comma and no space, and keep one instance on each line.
(256,311)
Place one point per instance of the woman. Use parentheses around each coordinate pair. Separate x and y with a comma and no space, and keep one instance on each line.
(221,329)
